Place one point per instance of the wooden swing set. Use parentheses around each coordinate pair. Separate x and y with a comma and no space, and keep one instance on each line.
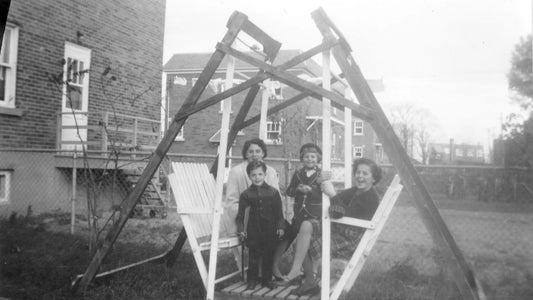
(199,195)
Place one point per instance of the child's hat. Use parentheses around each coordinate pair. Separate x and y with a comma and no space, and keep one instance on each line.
(310,147)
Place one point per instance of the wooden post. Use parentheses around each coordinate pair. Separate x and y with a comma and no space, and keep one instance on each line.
(104,133)
(455,261)
(264,108)
(134,139)
(348,141)
(73,201)
(59,131)
(326,165)
(218,210)
(234,26)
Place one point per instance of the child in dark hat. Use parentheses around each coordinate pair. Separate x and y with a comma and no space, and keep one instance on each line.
(305,187)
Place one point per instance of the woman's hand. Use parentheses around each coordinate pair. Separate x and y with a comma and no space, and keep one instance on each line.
(280,233)
(304,188)
(328,188)
(241,235)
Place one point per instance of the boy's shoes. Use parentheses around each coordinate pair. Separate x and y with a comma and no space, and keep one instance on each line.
(252,284)
(268,284)
(305,289)
(278,279)
(286,281)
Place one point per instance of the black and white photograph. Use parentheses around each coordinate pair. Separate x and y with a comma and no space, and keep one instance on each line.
(245,149)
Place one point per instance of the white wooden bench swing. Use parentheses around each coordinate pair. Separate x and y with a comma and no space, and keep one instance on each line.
(199,194)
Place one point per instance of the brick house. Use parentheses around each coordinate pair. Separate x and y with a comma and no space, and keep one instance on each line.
(68,65)
(286,130)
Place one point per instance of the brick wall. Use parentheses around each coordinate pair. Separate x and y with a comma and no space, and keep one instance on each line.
(126,35)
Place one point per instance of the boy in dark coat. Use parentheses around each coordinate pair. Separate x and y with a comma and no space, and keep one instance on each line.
(265,224)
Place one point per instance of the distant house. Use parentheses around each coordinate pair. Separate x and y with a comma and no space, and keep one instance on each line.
(72,73)
(451,153)
(286,131)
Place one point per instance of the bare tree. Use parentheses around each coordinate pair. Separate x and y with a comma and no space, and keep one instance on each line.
(414,127)
(95,180)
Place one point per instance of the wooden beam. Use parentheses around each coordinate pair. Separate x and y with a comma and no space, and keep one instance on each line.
(234,26)
(238,123)
(298,83)
(243,111)
(270,46)
(250,82)
(173,254)
(431,217)
(218,210)
(274,109)
(326,164)
(289,102)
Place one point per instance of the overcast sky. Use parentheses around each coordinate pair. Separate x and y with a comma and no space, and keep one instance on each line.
(451,57)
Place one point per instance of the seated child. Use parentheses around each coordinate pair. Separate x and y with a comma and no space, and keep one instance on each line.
(305,187)
(265,224)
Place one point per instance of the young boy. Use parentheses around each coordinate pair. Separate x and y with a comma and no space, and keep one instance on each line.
(265,224)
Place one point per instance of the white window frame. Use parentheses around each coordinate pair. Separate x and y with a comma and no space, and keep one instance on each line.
(274,86)
(479,153)
(178,80)
(271,128)
(378,150)
(358,127)
(180,137)
(356,150)
(459,152)
(4,199)
(10,65)
(79,77)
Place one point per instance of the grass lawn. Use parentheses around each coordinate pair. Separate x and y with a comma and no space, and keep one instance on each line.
(39,258)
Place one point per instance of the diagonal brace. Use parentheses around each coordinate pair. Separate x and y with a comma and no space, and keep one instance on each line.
(298,83)
(254,80)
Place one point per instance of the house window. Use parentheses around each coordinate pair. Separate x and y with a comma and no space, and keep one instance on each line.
(273,132)
(180,80)
(479,153)
(458,152)
(379,153)
(358,127)
(179,137)
(5,184)
(357,151)
(276,90)
(8,63)
(446,150)
(76,70)
(470,153)
(333,146)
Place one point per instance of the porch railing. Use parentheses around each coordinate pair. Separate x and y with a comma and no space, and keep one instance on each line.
(111,131)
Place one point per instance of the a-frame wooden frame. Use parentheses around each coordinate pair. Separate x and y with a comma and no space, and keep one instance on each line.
(368,110)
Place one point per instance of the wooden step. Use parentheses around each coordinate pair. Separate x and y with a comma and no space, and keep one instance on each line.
(238,291)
